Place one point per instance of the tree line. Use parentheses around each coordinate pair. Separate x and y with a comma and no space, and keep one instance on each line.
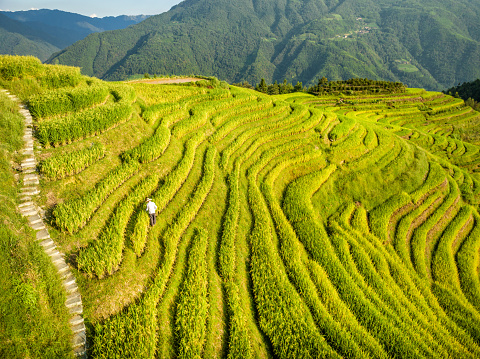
(352,86)
(468,91)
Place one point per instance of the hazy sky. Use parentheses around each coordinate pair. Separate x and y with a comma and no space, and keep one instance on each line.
(99,8)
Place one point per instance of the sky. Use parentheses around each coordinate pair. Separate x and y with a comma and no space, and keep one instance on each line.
(99,8)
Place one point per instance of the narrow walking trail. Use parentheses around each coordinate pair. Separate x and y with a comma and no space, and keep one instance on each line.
(29,209)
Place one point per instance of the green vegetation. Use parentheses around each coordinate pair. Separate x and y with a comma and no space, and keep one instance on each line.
(468,91)
(421,44)
(294,225)
(68,164)
(33,317)
(192,307)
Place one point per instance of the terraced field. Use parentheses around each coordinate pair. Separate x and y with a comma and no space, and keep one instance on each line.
(291,226)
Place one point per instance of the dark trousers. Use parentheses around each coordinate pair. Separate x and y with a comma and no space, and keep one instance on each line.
(153,218)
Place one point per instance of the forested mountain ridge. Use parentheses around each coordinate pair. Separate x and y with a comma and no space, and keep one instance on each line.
(42,32)
(423,44)
(16,38)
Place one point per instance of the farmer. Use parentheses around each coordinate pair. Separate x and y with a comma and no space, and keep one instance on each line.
(151,208)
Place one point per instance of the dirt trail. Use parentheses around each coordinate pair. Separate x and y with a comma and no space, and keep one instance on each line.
(168,80)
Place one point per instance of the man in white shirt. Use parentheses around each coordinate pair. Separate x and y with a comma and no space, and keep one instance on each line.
(151,208)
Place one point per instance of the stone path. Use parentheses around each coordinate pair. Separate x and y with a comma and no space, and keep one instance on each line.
(28,209)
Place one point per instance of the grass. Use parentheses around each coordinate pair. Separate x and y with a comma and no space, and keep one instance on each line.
(33,318)
(309,226)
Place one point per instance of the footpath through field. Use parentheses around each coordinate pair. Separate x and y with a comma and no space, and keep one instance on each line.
(28,209)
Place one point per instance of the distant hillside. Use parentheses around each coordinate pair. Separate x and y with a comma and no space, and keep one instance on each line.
(42,32)
(430,44)
(18,39)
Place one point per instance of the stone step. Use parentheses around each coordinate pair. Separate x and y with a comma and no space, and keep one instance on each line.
(78,328)
(29,189)
(30,182)
(62,271)
(69,279)
(28,211)
(56,256)
(64,276)
(28,165)
(79,339)
(73,300)
(77,319)
(34,219)
(38,226)
(26,204)
(27,208)
(47,243)
(72,287)
(43,234)
(29,170)
(77,309)
(49,247)
(30,177)
(57,259)
(25,198)
(29,194)
(62,267)
(27,151)
(80,352)
(33,192)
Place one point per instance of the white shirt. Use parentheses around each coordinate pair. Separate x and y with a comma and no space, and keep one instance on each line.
(151,207)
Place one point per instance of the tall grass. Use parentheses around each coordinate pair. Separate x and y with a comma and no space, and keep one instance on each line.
(33,317)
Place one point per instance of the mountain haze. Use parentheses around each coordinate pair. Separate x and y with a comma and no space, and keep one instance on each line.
(16,38)
(425,44)
(43,32)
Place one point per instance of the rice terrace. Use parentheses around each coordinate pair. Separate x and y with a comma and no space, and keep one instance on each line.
(337,224)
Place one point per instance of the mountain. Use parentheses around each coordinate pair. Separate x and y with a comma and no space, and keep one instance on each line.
(43,32)
(18,39)
(430,44)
